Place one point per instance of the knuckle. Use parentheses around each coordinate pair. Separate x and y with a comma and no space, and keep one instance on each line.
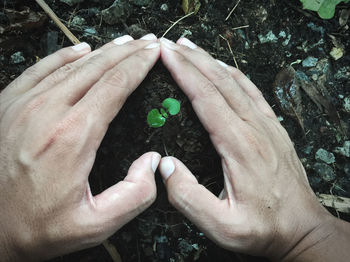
(221,74)
(62,73)
(117,77)
(208,89)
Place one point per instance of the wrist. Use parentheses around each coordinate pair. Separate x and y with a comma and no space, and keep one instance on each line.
(326,242)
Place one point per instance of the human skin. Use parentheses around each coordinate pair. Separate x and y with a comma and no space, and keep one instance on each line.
(54,116)
(267,207)
(52,121)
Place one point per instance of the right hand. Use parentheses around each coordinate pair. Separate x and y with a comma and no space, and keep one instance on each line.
(267,207)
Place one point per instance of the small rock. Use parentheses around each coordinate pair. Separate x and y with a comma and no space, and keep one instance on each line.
(325,171)
(90,31)
(78,21)
(310,61)
(119,11)
(164,8)
(324,156)
(315,28)
(71,2)
(347,169)
(346,104)
(337,53)
(141,2)
(307,150)
(344,150)
(17,58)
(268,38)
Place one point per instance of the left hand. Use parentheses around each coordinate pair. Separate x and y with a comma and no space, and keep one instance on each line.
(52,121)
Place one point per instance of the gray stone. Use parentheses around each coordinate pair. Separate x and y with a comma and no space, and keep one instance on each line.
(17,58)
(346,104)
(78,21)
(344,150)
(323,155)
(347,169)
(71,2)
(164,8)
(310,61)
(90,31)
(141,2)
(324,171)
(119,11)
(270,37)
(307,150)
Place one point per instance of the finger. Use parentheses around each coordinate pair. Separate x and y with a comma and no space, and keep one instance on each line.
(122,202)
(252,91)
(192,199)
(79,82)
(212,109)
(104,100)
(235,97)
(46,66)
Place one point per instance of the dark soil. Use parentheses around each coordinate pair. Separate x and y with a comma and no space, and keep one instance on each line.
(161,233)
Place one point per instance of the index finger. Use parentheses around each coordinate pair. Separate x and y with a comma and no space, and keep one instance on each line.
(222,123)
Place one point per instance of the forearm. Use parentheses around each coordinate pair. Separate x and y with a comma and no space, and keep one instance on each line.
(329,242)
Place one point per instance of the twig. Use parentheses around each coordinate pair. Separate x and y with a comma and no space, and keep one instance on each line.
(112,251)
(57,21)
(229,47)
(182,18)
(233,9)
(340,204)
(240,27)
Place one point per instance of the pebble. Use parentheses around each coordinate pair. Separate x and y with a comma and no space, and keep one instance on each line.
(78,21)
(344,150)
(346,104)
(17,58)
(310,61)
(323,155)
(307,150)
(336,53)
(347,169)
(119,11)
(164,8)
(325,171)
(90,31)
(270,37)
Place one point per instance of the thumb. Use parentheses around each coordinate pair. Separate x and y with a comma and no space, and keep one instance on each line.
(192,199)
(120,203)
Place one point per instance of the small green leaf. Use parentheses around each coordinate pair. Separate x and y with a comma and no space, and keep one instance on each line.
(324,8)
(172,105)
(155,119)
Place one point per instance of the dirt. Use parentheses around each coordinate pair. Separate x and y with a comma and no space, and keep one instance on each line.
(161,233)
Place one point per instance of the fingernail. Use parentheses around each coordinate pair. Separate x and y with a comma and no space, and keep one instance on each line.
(80,47)
(152,46)
(167,168)
(222,63)
(167,43)
(155,161)
(188,43)
(149,37)
(122,40)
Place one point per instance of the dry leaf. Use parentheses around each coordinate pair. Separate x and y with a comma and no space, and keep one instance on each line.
(191,6)
(287,94)
(25,19)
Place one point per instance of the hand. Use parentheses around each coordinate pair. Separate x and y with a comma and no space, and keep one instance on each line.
(52,120)
(267,207)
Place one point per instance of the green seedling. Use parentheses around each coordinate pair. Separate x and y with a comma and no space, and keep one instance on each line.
(157,118)
(324,8)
